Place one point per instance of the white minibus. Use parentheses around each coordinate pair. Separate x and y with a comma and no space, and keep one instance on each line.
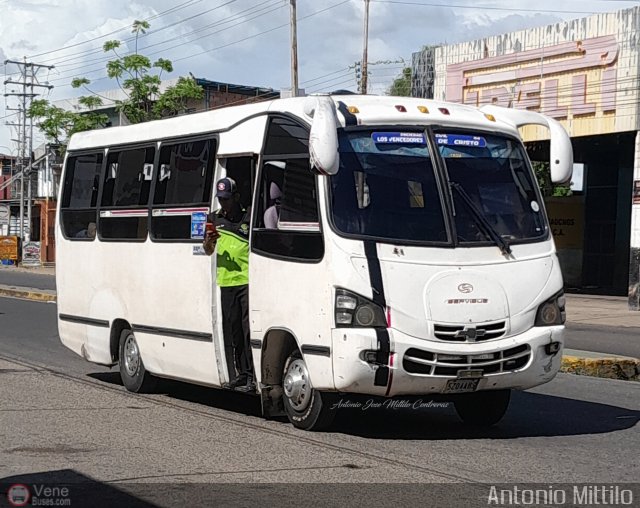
(410,253)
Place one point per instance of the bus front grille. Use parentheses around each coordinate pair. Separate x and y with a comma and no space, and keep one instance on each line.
(459,333)
(418,361)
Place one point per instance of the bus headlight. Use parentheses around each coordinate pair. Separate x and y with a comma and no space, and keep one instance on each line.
(356,311)
(552,312)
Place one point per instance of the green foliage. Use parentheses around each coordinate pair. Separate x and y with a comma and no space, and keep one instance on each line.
(137,77)
(401,86)
(547,187)
(174,99)
(78,82)
(58,124)
(110,46)
(140,27)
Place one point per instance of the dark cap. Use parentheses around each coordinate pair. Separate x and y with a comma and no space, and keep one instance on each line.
(225,188)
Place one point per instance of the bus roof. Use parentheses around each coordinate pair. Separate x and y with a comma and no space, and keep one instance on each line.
(367,110)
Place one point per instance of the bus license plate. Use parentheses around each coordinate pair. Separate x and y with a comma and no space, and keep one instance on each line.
(461,385)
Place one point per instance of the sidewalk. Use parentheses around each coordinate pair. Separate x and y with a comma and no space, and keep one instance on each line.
(44,270)
(581,309)
(601,310)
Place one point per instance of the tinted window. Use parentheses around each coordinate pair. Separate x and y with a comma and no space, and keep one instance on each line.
(286,137)
(81,181)
(495,177)
(299,197)
(286,223)
(128,178)
(125,194)
(183,180)
(386,188)
(80,195)
(185,173)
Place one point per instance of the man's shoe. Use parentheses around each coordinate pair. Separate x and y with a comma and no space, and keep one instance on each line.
(237,382)
(247,388)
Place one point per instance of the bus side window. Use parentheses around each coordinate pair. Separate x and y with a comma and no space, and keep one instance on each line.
(184,180)
(242,171)
(286,220)
(126,189)
(80,196)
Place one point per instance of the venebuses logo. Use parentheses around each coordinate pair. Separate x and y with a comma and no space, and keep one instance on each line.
(18,495)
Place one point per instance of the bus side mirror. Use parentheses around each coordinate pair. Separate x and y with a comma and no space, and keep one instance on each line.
(323,137)
(561,151)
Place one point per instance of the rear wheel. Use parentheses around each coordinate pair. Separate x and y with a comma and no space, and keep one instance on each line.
(135,377)
(306,407)
(482,409)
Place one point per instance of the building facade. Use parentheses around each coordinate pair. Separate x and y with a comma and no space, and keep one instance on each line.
(584,73)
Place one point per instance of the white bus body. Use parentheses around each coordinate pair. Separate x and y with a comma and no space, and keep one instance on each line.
(414,257)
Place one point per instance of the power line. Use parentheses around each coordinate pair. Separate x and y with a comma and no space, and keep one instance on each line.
(220,22)
(479,7)
(128,27)
(239,41)
(78,56)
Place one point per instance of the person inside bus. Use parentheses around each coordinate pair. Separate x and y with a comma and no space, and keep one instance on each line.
(272,213)
(230,240)
(88,232)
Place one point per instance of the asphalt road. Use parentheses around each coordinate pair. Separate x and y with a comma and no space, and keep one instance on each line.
(66,419)
(12,277)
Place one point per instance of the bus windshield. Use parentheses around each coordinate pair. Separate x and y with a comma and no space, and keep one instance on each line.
(492,184)
(387,188)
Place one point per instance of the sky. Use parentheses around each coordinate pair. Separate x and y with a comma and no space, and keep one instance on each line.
(248,41)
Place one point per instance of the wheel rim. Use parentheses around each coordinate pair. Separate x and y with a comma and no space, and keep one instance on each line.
(297,387)
(131,355)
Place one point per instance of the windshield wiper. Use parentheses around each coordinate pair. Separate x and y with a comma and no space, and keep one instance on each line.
(481,220)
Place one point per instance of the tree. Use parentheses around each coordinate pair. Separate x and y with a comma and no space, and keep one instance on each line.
(401,86)
(140,81)
(547,187)
(58,124)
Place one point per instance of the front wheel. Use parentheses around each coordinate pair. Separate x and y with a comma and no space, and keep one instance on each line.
(135,377)
(306,407)
(482,409)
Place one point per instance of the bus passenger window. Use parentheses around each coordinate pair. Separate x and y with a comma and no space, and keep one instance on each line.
(80,194)
(126,186)
(287,219)
(184,181)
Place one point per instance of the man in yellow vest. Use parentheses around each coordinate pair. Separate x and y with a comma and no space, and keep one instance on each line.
(231,240)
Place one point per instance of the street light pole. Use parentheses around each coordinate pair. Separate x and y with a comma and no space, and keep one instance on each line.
(363,82)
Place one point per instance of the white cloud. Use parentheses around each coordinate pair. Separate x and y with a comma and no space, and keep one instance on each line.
(223,40)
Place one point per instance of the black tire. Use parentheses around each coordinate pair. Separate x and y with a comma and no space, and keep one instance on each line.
(482,409)
(135,377)
(310,410)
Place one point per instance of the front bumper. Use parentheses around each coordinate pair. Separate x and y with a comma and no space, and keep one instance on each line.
(421,366)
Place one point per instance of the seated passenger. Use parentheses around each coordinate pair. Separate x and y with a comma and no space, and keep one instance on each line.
(272,213)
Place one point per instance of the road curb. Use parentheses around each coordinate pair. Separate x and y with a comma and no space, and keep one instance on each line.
(627,369)
(28,294)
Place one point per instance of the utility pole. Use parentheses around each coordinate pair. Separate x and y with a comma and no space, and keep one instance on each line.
(28,82)
(363,82)
(294,50)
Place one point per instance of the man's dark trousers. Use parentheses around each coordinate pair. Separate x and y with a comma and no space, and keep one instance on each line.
(235,324)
